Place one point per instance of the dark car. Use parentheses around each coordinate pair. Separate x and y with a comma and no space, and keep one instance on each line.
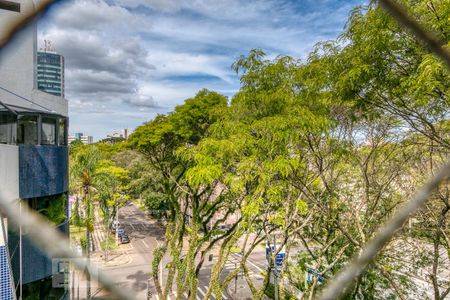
(124,239)
(120,231)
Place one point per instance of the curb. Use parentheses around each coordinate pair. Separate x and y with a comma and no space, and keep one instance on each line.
(102,263)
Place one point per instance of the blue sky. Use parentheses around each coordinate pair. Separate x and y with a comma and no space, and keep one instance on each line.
(128,60)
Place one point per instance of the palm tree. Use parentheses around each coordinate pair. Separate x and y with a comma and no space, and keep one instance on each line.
(83,174)
(105,196)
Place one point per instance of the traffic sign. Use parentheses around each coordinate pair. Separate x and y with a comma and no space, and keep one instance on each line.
(279,258)
(311,274)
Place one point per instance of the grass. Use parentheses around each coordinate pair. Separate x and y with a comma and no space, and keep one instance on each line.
(77,232)
(112,243)
(270,292)
(235,250)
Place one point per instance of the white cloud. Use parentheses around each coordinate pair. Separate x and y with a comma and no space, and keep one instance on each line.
(128,58)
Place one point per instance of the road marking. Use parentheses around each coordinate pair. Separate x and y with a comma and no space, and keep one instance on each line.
(132,226)
(250,262)
(201,292)
(145,244)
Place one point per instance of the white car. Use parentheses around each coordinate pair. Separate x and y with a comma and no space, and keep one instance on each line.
(115,224)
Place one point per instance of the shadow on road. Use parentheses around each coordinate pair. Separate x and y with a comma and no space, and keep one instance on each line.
(140,280)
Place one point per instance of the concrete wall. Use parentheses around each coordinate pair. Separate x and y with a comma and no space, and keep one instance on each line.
(43,170)
(16,58)
(18,68)
(9,172)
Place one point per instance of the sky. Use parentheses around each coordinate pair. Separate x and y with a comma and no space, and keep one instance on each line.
(129,60)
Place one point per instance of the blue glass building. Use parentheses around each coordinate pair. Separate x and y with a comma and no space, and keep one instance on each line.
(50,73)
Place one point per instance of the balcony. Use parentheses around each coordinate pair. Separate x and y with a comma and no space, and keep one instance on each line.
(41,139)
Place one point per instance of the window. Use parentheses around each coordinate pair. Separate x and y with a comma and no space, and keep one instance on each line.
(7,128)
(27,130)
(48,133)
(62,132)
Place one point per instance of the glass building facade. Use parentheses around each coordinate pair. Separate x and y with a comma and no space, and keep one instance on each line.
(50,73)
(32,128)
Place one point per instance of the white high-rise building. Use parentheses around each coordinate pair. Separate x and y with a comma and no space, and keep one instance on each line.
(123,133)
(33,154)
(85,139)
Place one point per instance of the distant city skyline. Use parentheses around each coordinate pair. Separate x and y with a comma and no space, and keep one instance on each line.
(125,65)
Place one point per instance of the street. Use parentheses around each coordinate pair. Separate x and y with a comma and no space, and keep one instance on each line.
(145,234)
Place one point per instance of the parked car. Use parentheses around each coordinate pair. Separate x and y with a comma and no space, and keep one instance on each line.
(120,231)
(124,239)
(114,225)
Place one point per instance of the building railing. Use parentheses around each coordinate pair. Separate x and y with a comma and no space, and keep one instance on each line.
(49,240)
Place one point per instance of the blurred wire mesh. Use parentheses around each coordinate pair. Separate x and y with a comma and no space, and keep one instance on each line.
(55,245)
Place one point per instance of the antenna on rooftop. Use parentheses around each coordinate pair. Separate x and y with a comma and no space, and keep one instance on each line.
(48,47)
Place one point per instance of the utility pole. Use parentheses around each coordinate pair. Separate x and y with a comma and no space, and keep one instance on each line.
(161,270)
(88,244)
(117,223)
(235,282)
(275,275)
(107,235)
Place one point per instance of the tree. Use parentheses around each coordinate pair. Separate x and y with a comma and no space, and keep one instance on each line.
(159,141)
(317,154)
(112,188)
(377,72)
(83,174)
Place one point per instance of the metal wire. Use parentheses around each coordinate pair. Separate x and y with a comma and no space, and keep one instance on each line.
(430,39)
(56,245)
(22,19)
(340,283)
(43,235)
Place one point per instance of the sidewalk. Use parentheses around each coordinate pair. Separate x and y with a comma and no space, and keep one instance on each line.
(99,234)
(116,257)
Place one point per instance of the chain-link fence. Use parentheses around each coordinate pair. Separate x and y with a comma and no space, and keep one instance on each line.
(56,245)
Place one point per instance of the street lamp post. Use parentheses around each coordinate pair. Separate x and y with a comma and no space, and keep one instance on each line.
(107,236)
(275,277)
(117,223)
(235,281)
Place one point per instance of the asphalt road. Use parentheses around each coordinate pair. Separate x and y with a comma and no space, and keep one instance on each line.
(145,234)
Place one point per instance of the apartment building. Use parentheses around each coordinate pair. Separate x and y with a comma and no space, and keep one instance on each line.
(33,160)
